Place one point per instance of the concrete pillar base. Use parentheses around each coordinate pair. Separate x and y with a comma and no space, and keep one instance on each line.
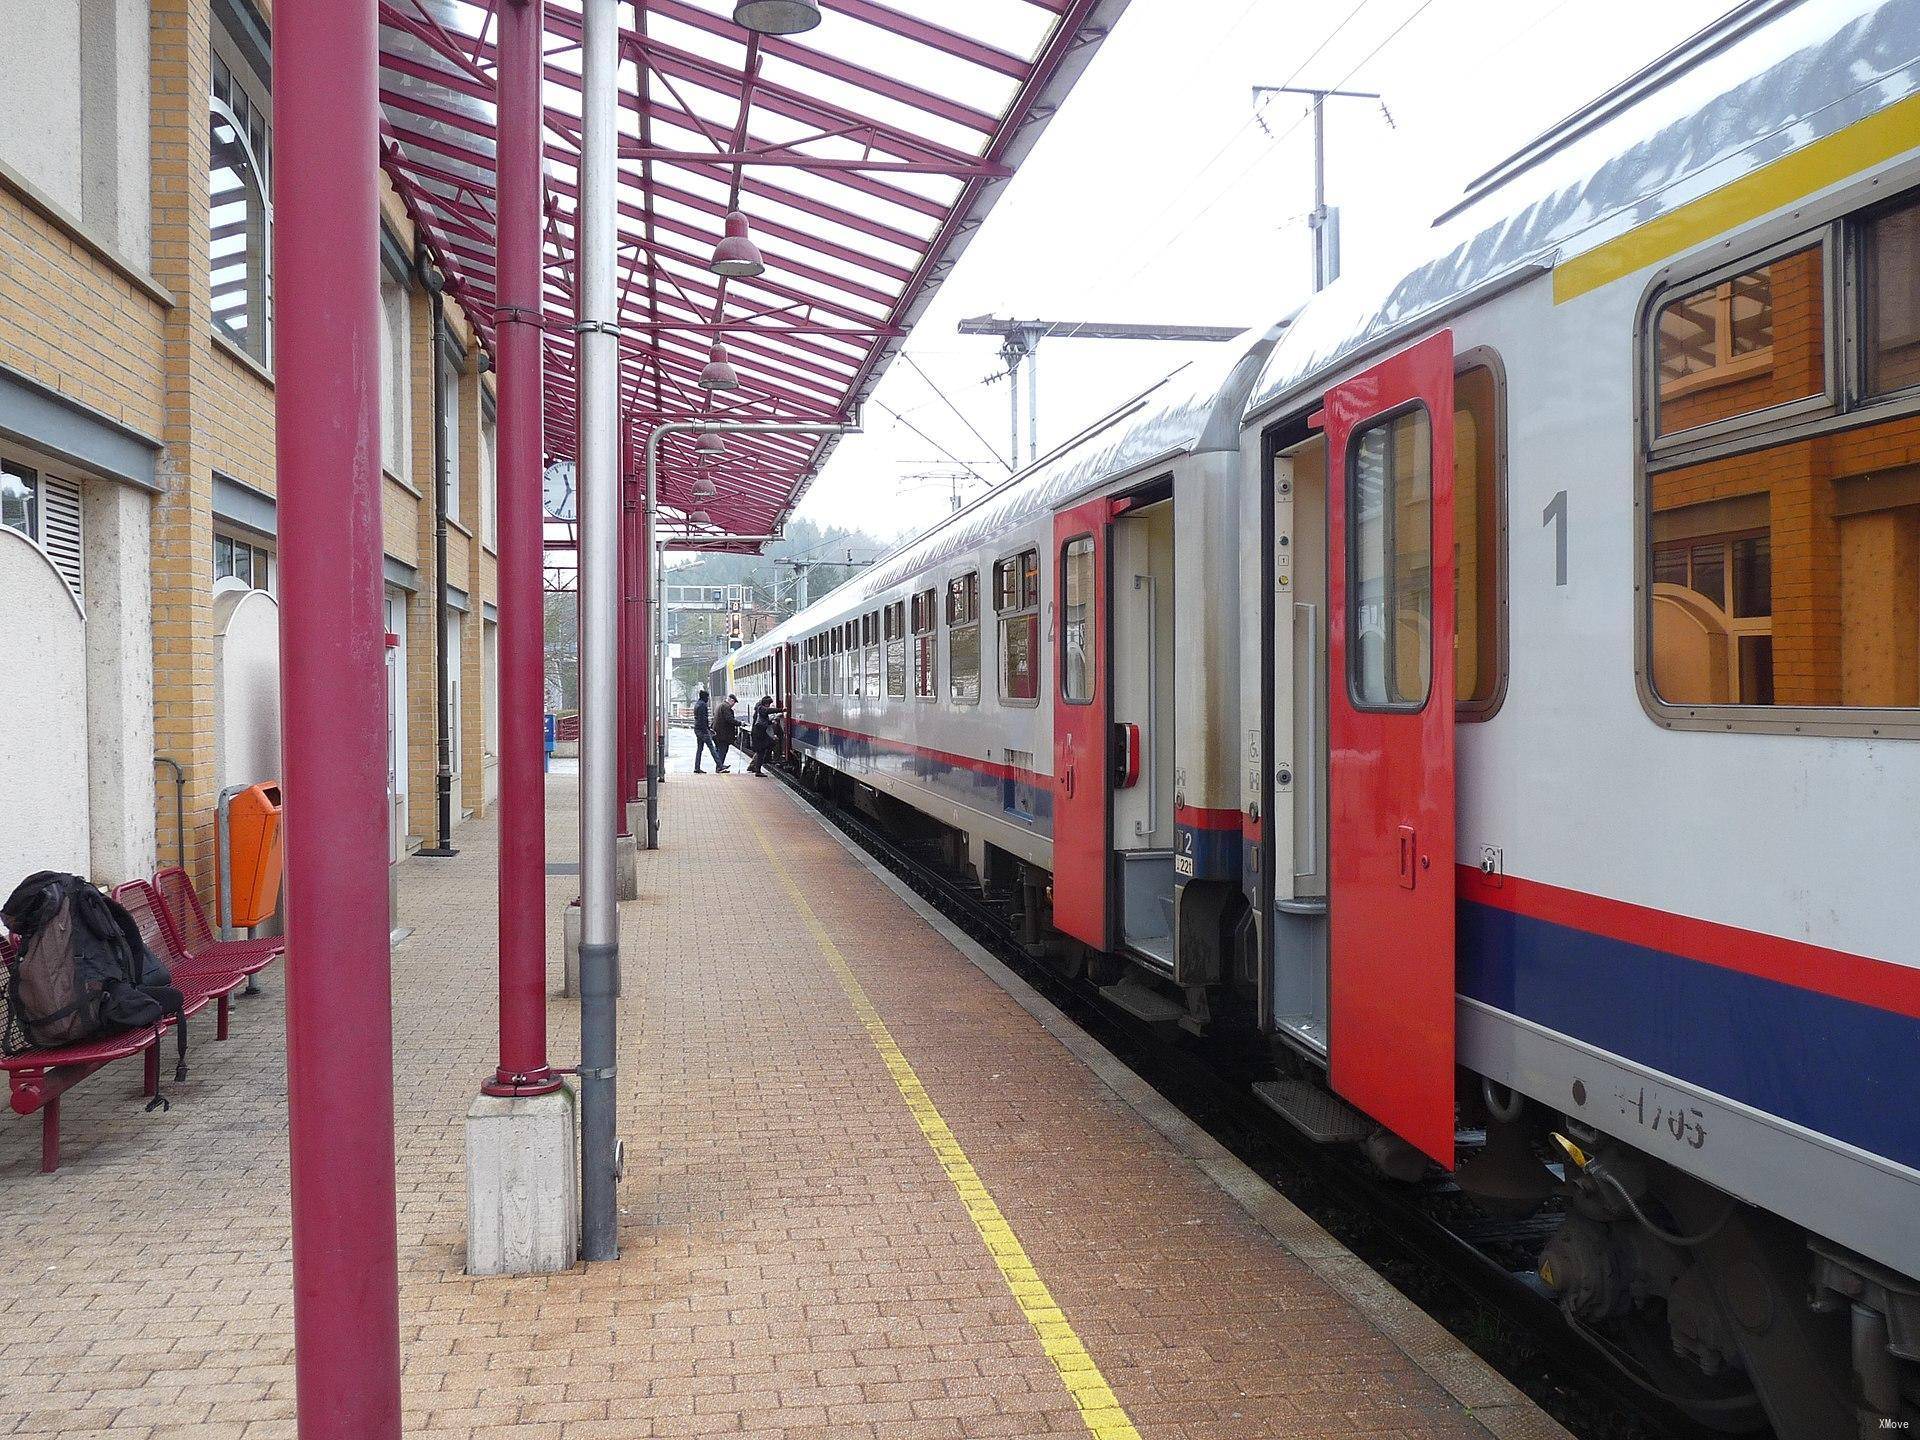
(570,967)
(523,1184)
(637,823)
(626,870)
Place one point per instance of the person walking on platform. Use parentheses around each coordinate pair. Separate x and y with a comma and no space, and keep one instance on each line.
(726,730)
(703,733)
(764,734)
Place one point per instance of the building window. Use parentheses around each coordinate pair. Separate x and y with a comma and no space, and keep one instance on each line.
(1785,578)
(1743,344)
(242,561)
(450,379)
(1390,520)
(1077,616)
(923,623)
(46,509)
(240,208)
(895,630)
(396,378)
(20,499)
(1016,599)
(489,480)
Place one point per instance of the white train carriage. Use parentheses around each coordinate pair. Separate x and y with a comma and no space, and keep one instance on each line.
(930,678)
(1513,710)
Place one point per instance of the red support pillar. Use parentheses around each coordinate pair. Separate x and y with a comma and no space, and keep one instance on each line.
(523,1066)
(628,720)
(333,695)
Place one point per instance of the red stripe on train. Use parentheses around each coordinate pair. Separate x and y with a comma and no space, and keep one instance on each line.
(1861,979)
(1201,817)
(944,757)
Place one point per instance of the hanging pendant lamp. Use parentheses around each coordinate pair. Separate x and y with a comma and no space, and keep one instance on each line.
(777,17)
(719,373)
(736,255)
(704,489)
(700,517)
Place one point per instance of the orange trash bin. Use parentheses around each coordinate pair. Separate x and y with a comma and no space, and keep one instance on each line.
(253,854)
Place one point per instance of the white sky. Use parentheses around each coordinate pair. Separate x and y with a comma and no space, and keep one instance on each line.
(1155,196)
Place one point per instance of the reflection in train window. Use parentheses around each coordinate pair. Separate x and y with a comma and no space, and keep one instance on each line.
(963,638)
(1016,599)
(1893,299)
(1790,575)
(1390,530)
(870,650)
(895,628)
(1077,617)
(923,623)
(1743,344)
(1479,543)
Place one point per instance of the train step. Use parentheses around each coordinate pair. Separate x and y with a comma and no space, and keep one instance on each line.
(1145,1004)
(1320,1115)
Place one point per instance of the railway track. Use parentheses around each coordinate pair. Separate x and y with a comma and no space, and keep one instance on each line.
(1471,1271)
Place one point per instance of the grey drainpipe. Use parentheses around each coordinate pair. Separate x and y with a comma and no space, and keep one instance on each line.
(436,284)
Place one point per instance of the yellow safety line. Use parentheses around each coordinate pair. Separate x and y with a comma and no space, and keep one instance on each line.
(1779,183)
(1099,1408)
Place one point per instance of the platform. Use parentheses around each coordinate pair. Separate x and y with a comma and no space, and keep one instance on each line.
(870,1192)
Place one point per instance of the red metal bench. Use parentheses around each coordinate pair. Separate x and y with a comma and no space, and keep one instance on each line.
(193,937)
(37,1079)
(199,977)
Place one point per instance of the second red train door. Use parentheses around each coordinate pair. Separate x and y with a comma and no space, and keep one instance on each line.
(1082,734)
(1390,758)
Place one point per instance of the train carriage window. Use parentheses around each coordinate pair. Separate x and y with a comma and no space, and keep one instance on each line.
(896,640)
(1479,543)
(1743,344)
(963,638)
(1016,599)
(1891,241)
(1390,522)
(1783,577)
(870,651)
(837,680)
(924,617)
(1077,574)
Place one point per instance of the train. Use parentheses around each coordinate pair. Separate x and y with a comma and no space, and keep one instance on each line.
(1496,689)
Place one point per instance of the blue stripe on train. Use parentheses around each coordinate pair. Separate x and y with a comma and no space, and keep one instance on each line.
(1206,854)
(1836,1066)
(1018,802)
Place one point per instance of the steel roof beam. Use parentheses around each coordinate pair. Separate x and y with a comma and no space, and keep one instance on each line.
(934,37)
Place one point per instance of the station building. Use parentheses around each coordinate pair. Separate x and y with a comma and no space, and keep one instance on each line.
(138,549)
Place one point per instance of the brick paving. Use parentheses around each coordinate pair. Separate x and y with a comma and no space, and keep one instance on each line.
(795,1261)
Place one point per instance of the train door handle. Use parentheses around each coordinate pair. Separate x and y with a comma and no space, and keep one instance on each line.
(1408,857)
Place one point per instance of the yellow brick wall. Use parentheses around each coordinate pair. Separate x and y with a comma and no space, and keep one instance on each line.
(111,344)
(101,343)
(180,73)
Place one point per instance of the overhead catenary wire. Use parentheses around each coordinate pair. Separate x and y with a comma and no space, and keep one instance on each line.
(931,441)
(1004,464)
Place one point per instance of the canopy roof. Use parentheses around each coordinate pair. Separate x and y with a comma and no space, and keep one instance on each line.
(864,153)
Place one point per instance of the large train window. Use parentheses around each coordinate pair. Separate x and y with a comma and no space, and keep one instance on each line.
(963,638)
(870,651)
(894,629)
(924,617)
(1390,606)
(1016,600)
(1743,344)
(1077,577)
(1780,565)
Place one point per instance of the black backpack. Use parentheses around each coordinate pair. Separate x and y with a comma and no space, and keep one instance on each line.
(82,969)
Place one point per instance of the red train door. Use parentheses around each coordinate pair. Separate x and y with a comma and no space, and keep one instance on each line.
(1390,757)
(1082,840)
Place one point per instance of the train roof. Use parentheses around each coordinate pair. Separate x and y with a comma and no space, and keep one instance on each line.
(1771,77)
(1195,411)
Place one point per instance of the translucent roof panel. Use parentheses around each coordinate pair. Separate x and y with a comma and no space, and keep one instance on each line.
(864,153)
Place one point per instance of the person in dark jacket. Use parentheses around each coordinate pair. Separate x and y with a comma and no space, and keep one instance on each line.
(764,734)
(726,730)
(703,733)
